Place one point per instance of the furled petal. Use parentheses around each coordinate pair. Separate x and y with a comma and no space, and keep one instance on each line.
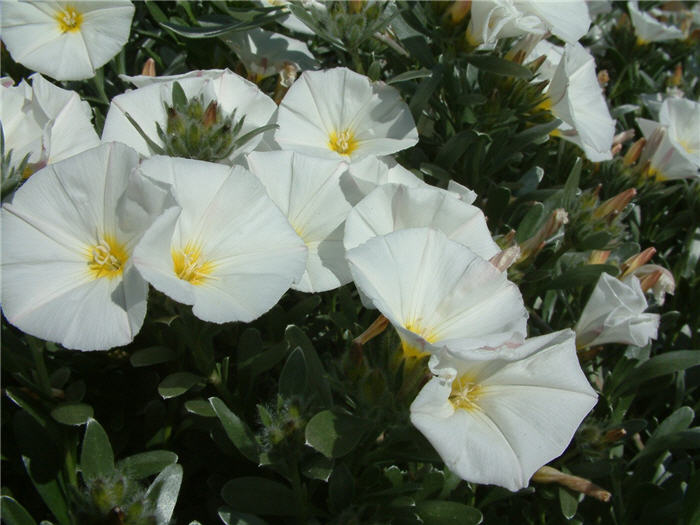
(497,421)
(648,28)
(682,116)
(225,248)
(615,314)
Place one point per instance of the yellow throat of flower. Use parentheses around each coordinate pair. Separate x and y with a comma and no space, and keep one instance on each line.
(412,351)
(343,142)
(69,19)
(107,258)
(465,393)
(188,266)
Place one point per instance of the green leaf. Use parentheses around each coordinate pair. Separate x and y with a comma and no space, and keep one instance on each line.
(232,517)
(146,464)
(424,91)
(499,66)
(236,430)
(179,98)
(13,513)
(580,276)
(318,467)
(341,488)
(410,75)
(199,407)
(595,241)
(316,374)
(293,376)
(74,414)
(163,493)
(153,355)
(334,434)
(690,514)
(528,226)
(177,384)
(568,503)
(570,191)
(436,512)
(533,134)
(259,496)
(660,365)
(498,199)
(96,456)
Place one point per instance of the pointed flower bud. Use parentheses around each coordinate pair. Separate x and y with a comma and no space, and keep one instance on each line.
(556,220)
(587,487)
(599,256)
(613,206)
(506,258)
(457,11)
(634,152)
(149,68)
(636,261)
(657,279)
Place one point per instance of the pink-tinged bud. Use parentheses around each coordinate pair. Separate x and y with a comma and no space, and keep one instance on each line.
(457,11)
(603,78)
(582,485)
(599,256)
(616,434)
(634,152)
(636,261)
(149,68)
(623,137)
(657,279)
(556,220)
(652,144)
(613,206)
(506,258)
(209,117)
(376,328)
(616,149)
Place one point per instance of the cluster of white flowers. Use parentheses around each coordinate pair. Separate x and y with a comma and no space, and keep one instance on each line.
(313,206)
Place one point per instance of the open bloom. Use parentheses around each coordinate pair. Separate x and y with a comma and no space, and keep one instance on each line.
(576,98)
(308,191)
(498,420)
(65,40)
(46,122)
(437,293)
(649,29)
(67,239)
(340,114)
(673,143)
(615,314)
(211,100)
(265,53)
(393,207)
(225,248)
(494,19)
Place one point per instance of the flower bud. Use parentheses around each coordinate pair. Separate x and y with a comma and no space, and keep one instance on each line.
(636,261)
(623,137)
(603,78)
(613,206)
(634,152)
(677,77)
(556,220)
(457,11)
(506,258)
(599,256)
(210,115)
(657,279)
(587,487)
(149,68)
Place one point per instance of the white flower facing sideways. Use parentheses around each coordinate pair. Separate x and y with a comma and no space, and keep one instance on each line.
(494,19)
(498,420)
(225,248)
(340,114)
(49,123)
(649,29)
(308,191)
(67,239)
(223,91)
(393,207)
(576,98)
(615,314)
(65,40)
(673,143)
(437,293)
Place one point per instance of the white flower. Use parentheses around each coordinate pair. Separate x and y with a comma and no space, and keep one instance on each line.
(498,420)
(662,279)
(363,176)
(65,40)
(146,80)
(339,114)
(146,106)
(49,123)
(265,53)
(308,191)
(649,29)
(437,293)
(494,19)
(225,248)
(615,314)
(673,143)
(67,238)
(394,207)
(576,98)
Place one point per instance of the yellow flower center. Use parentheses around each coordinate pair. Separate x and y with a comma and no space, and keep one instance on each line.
(107,258)
(465,393)
(412,351)
(188,266)
(685,144)
(69,20)
(343,142)
(545,105)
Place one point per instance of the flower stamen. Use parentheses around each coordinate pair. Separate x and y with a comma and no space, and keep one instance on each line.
(69,20)
(343,142)
(107,258)
(465,392)
(188,267)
